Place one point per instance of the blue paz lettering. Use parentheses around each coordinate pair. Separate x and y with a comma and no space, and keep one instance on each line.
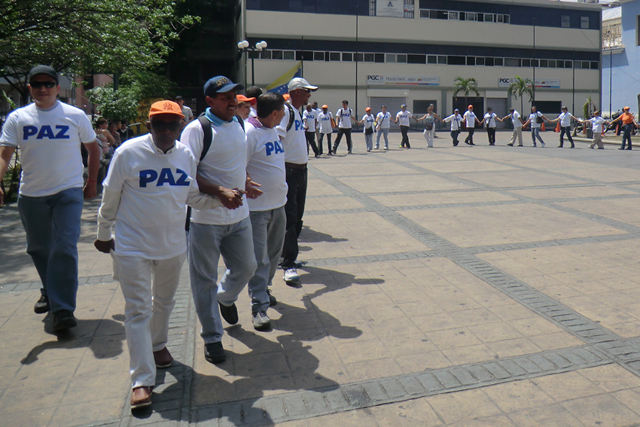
(273,147)
(45,132)
(148,176)
(298,125)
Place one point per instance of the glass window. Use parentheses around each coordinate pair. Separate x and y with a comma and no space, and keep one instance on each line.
(379,57)
(288,54)
(368,57)
(307,56)
(454,16)
(298,55)
(498,62)
(585,65)
(506,18)
(511,62)
(526,63)
(559,64)
(489,62)
(565,21)
(265,54)
(442,59)
(402,58)
(500,18)
(276,54)
(417,59)
(534,63)
(347,56)
(595,65)
(334,56)
(254,54)
(424,13)
(359,57)
(480,60)
(568,64)
(432,59)
(318,56)
(456,60)
(470,16)
(488,17)
(471,60)
(390,57)
(480,17)
(552,63)
(584,22)
(543,63)
(440,14)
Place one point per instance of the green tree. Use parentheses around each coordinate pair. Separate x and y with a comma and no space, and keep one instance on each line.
(79,36)
(465,85)
(519,87)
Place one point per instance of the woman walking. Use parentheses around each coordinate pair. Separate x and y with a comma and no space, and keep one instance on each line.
(429,125)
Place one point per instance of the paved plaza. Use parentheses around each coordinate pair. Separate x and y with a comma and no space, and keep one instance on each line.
(447,286)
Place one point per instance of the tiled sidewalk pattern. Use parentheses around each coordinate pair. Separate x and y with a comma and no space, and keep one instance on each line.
(449,286)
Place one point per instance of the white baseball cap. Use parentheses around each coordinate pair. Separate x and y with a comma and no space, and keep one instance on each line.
(300,83)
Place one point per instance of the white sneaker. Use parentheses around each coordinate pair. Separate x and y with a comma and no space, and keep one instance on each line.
(291,275)
(261,321)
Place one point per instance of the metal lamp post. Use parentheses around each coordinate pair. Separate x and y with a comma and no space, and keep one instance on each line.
(244,46)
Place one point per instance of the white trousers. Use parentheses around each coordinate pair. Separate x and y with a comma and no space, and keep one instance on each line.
(147,309)
(428,135)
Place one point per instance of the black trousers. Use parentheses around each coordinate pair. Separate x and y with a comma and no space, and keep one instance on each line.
(347,133)
(454,136)
(328,142)
(469,138)
(491,133)
(311,141)
(294,209)
(405,138)
(565,130)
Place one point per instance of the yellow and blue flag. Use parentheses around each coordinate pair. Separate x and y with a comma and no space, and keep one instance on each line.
(280,85)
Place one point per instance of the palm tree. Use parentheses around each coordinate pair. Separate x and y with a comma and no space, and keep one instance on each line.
(465,85)
(519,87)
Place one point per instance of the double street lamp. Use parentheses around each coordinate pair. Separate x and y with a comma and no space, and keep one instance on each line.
(244,47)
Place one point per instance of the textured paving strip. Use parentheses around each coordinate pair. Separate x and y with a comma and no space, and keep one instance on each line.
(313,403)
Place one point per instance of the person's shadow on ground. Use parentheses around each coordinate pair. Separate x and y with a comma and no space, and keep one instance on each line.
(307,235)
(105,346)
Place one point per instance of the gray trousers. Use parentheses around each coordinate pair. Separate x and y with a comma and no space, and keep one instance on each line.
(268,237)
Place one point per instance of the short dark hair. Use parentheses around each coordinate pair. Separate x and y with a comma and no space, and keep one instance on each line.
(253,92)
(124,122)
(179,98)
(344,101)
(268,103)
(100,121)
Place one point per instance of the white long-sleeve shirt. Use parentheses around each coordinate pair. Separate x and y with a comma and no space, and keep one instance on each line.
(456,120)
(144,196)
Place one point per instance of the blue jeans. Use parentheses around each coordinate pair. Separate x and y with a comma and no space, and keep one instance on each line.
(535,133)
(368,140)
(626,136)
(52,224)
(268,237)
(384,132)
(206,243)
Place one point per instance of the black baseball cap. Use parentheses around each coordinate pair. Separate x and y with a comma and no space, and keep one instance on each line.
(43,69)
(220,84)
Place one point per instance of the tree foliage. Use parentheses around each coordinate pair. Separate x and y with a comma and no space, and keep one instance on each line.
(519,87)
(466,86)
(79,36)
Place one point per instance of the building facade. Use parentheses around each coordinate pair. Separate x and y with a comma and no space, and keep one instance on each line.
(411,51)
(621,57)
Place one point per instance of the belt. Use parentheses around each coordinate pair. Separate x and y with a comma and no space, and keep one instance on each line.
(295,166)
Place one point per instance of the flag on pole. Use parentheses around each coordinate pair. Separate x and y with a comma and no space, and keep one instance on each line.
(280,85)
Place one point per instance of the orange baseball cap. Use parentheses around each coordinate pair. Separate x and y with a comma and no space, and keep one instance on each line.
(325,106)
(367,109)
(165,107)
(625,108)
(286,96)
(242,98)
(470,106)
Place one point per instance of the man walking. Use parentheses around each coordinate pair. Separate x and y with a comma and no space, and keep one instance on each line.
(49,134)
(565,126)
(383,120)
(150,180)
(225,230)
(310,120)
(186,111)
(516,121)
(291,133)
(470,121)
(344,116)
(404,119)
(325,118)
(268,219)
(455,119)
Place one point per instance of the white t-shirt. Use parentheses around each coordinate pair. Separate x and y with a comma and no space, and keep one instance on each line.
(293,140)
(384,120)
(318,111)
(49,141)
(148,190)
(225,164)
(515,119)
(490,118)
(533,121)
(188,114)
(266,166)
(470,118)
(368,121)
(324,122)
(309,117)
(455,121)
(565,119)
(403,117)
(253,112)
(596,124)
(344,118)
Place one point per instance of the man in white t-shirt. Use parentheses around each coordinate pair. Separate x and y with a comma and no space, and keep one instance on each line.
(253,92)
(516,121)
(226,230)
(344,116)
(368,129)
(490,120)
(291,133)
(150,180)
(536,119)
(186,111)
(383,120)
(268,219)
(596,126)
(470,121)
(403,118)
(565,125)
(314,105)
(310,120)
(324,124)
(456,124)
(49,134)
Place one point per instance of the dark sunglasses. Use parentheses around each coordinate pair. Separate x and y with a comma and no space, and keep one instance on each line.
(48,84)
(160,126)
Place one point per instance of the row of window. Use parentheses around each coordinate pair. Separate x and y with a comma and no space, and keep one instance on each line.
(465,16)
(404,58)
